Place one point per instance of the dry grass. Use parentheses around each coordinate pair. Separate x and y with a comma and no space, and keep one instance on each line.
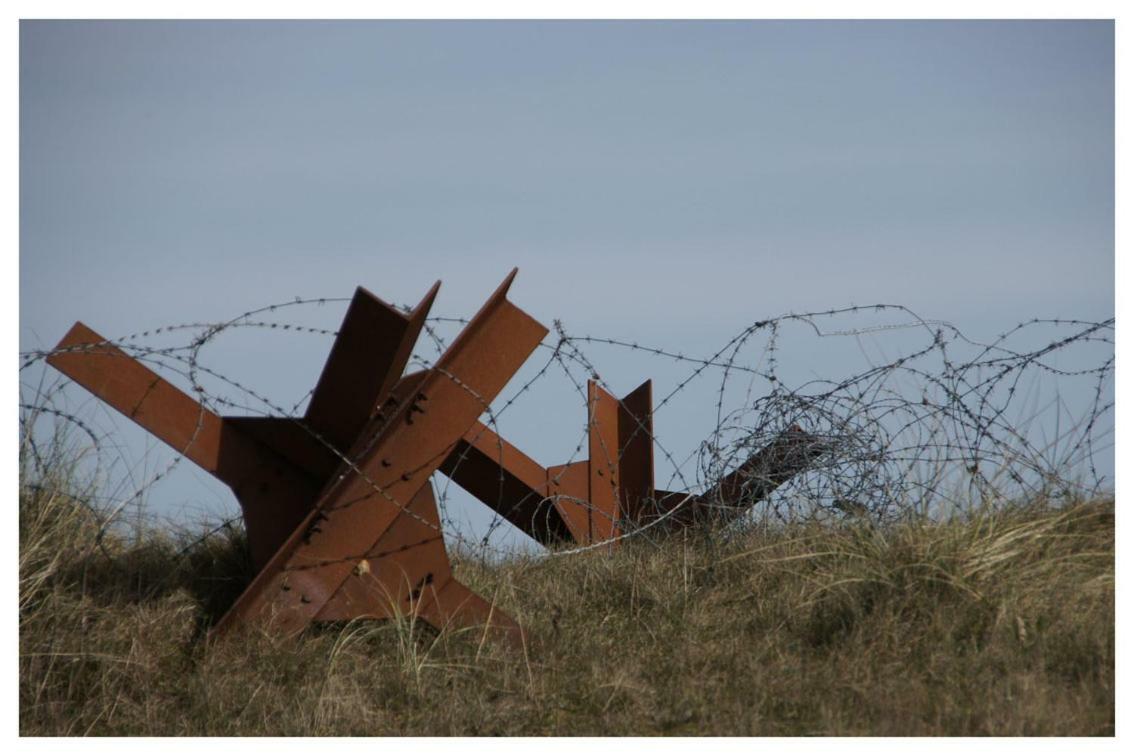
(999,623)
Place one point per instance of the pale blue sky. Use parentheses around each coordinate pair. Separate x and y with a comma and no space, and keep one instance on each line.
(665,182)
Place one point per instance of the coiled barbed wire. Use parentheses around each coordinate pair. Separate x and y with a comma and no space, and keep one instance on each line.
(944,423)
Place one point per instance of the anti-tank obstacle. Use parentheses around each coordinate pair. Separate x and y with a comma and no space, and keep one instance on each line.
(338,505)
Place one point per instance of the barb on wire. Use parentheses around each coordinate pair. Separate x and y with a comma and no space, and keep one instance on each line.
(933,420)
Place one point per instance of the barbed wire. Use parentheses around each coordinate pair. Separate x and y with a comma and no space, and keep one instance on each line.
(944,423)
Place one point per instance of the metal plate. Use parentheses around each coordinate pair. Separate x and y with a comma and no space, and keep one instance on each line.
(636,450)
(368,357)
(603,471)
(508,481)
(569,486)
(273,492)
(352,516)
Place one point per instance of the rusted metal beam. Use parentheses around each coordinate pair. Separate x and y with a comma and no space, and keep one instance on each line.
(604,453)
(339,504)
(275,466)
(636,449)
(367,359)
(278,467)
(569,487)
(584,501)
(789,454)
(407,574)
(612,491)
(353,516)
(141,394)
(792,452)
(274,493)
(513,484)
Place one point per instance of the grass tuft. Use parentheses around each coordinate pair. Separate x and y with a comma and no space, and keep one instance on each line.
(999,622)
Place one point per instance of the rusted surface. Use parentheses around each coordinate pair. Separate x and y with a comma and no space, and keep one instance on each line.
(675,510)
(352,517)
(612,491)
(454,605)
(512,483)
(581,501)
(766,470)
(338,505)
(274,493)
(140,394)
(408,574)
(569,487)
(388,578)
(367,359)
(791,453)
(602,445)
(290,438)
(585,501)
(636,442)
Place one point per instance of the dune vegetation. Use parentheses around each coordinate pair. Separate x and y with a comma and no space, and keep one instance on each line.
(993,622)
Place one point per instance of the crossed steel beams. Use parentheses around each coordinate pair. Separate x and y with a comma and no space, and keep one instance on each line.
(338,507)
(338,536)
(611,492)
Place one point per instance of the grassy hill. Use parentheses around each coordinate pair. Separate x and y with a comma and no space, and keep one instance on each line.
(997,623)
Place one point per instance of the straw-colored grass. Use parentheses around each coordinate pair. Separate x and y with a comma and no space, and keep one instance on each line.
(997,623)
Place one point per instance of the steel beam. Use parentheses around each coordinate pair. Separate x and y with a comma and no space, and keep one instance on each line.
(513,484)
(612,491)
(282,469)
(584,501)
(789,454)
(636,449)
(367,359)
(407,574)
(274,493)
(339,505)
(275,466)
(398,456)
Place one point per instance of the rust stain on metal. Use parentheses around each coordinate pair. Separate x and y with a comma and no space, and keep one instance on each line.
(495,472)
(339,506)
(612,491)
(274,493)
(789,454)
(368,357)
(339,539)
(352,517)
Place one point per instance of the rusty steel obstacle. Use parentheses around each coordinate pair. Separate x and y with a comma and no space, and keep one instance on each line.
(597,500)
(338,505)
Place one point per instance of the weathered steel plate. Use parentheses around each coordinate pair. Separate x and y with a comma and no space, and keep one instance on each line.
(356,511)
(368,357)
(274,493)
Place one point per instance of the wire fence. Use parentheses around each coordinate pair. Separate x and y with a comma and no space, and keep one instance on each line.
(928,421)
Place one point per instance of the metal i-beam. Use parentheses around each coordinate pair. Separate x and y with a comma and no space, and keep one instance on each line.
(339,506)
(599,498)
(275,466)
(513,484)
(584,501)
(790,453)
(399,454)
(274,493)
(298,494)
(367,359)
